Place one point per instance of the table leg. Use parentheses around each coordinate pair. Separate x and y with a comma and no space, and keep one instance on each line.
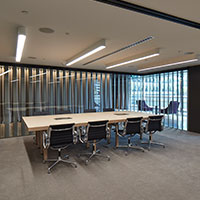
(41,142)
(45,154)
(116,136)
(37,138)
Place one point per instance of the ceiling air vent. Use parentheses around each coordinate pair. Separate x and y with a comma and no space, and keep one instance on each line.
(122,49)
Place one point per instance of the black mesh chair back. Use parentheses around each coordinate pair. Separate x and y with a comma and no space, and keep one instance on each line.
(89,110)
(97,130)
(155,123)
(37,113)
(133,125)
(61,135)
(108,109)
(63,112)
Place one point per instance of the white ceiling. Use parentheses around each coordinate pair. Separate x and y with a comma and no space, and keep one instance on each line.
(87,22)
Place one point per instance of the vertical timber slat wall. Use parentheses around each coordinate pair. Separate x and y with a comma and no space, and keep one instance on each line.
(26,90)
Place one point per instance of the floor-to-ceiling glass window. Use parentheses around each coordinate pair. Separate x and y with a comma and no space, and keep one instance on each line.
(136,92)
(162,93)
(97,94)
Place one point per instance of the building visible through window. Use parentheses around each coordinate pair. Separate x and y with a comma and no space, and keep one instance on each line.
(162,93)
(97,97)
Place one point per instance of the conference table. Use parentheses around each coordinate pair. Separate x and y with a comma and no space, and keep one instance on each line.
(41,123)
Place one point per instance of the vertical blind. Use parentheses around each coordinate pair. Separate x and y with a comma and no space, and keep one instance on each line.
(26,90)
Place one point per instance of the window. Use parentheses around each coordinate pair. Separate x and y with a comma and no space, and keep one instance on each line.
(158,91)
(97,97)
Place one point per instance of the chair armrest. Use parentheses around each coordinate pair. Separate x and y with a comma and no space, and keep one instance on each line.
(83,136)
(75,136)
(162,125)
(46,140)
(121,133)
(108,131)
(142,128)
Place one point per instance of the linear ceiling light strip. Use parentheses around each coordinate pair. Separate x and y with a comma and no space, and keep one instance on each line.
(151,12)
(21,38)
(122,49)
(87,52)
(167,65)
(132,60)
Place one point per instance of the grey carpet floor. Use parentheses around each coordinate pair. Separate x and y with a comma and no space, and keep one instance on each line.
(172,173)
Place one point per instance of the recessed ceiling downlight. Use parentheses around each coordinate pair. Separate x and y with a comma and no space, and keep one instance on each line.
(46,30)
(25,12)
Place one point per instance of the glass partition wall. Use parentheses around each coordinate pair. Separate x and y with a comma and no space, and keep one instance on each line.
(28,90)
(162,93)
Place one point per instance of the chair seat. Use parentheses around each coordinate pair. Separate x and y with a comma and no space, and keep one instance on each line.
(121,132)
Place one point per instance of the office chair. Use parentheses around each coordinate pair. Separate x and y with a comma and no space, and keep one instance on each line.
(95,132)
(153,124)
(132,126)
(171,109)
(142,106)
(89,110)
(59,137)
(37,113)
(108,110)
(63,112)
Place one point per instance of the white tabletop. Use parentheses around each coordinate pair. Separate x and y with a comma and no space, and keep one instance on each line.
(40,123)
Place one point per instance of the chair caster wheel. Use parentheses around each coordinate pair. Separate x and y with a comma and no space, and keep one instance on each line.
(163,147)
(86,162)
(108,158)
(49,171)
(75,166)
(126,153)
(66,157)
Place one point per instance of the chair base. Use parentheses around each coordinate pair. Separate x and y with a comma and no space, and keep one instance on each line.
(60,159)
(130,146)
(150,143)
(93,154)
